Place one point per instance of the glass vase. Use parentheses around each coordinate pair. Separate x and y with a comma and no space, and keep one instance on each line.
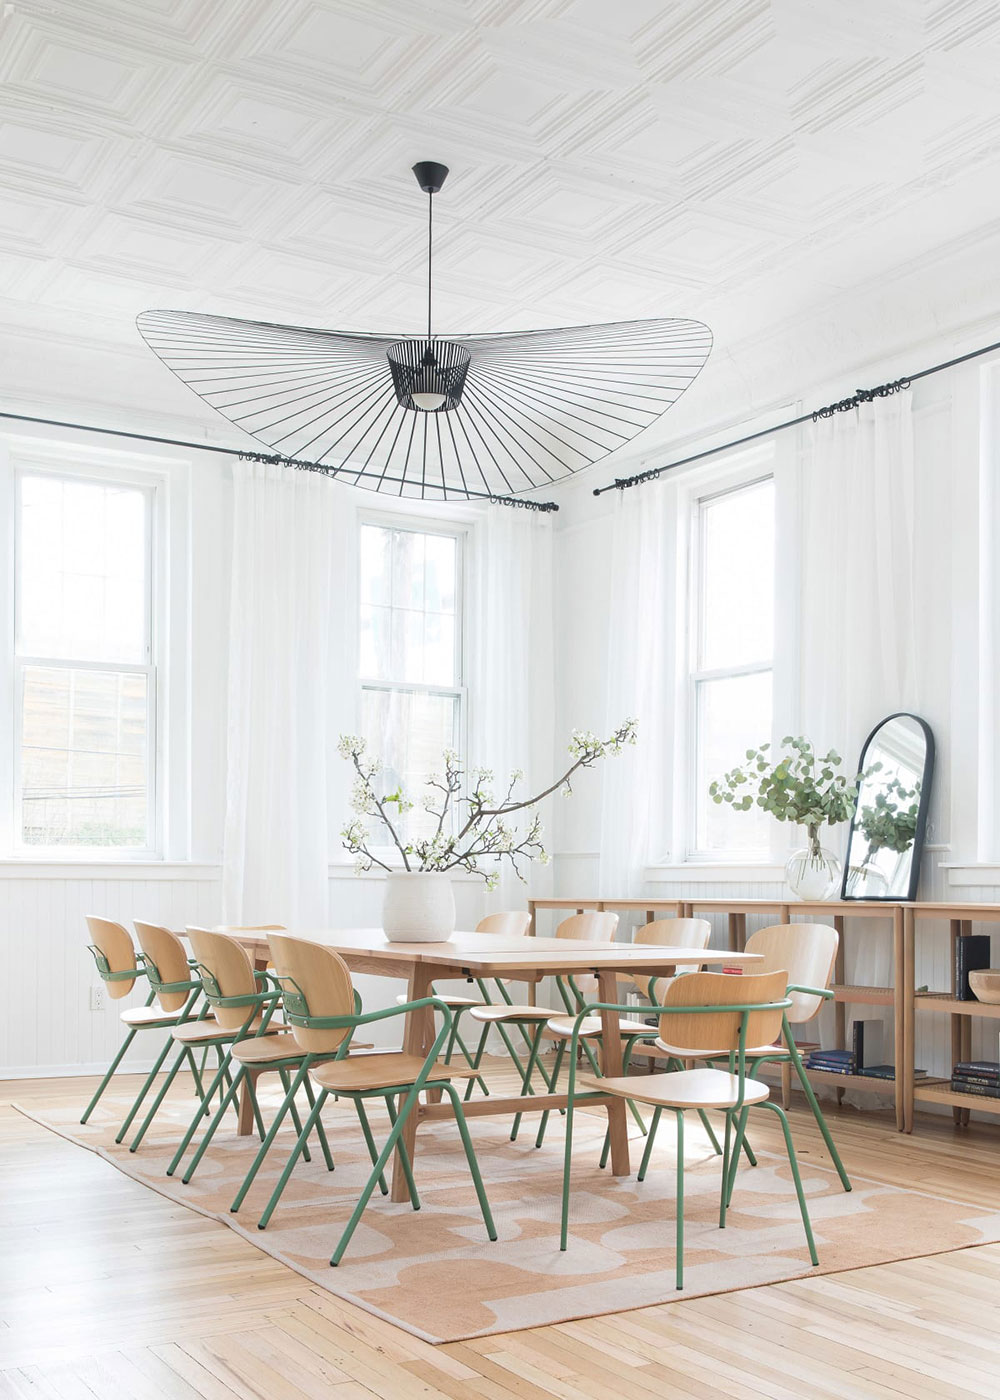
(814,872)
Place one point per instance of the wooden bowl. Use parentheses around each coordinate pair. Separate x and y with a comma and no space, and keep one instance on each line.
(985,985)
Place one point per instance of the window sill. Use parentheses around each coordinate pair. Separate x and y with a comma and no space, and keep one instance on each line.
(344,870)
(959,876)
(100,868)
(715,873)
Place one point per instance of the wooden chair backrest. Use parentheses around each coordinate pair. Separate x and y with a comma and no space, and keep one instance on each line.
(168,955)
(720,1031)
(323,978)
(115,943)
(807,952)
(598,927)
(230,964)
(511,923)
(672,933)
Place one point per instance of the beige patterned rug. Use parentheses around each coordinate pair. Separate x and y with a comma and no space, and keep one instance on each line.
(435,1273)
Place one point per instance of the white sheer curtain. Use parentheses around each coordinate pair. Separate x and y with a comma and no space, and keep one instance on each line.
(286,535)
(859,635)
(510,675)
(640,670)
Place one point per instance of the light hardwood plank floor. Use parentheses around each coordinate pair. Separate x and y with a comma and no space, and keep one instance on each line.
(109,1290)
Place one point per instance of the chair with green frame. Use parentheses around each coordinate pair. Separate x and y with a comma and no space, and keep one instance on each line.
(231,985)
(590,926)
(675,933)
(244,1011)
(705,1014)
(114,954)
(807,953)
(319,1006)
(510,923)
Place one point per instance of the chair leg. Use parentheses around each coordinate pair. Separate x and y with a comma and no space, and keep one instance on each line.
(680,1197)
(651,1138)
(458,1039)
(107,1078)
(293,1112)
(793,1163)
(370,1142)
(403,1114)
(543,1124)
(526,1086)
(265,1147)
(196,1076)
(726,1144)
(470,1155)
(293,1157)
(404,1157)
(821,1123)
(242,1076)
(147,1085)
(154,1109)
(734,1157)
(567,1172)
(218,1081)
(320,1130)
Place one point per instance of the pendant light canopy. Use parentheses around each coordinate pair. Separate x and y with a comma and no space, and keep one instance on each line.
(435,417)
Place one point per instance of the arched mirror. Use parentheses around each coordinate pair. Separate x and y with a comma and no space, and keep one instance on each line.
(887,830)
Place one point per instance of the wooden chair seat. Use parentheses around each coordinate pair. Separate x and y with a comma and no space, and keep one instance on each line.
(360,1073)
(268,1049)
(208,1032)
(562,1026)
(143,1017)
(491,1015)
(686,1088)
(451,1001)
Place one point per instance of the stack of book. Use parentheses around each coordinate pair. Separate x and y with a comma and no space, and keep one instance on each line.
(833,1061)
(977,1077)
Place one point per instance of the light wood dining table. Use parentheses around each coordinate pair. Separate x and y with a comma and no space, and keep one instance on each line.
(488,956)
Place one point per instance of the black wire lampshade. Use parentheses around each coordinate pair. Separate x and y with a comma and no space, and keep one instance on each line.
(439,417)
(428,375)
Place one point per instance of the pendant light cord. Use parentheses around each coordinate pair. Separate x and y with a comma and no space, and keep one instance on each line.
(430,254)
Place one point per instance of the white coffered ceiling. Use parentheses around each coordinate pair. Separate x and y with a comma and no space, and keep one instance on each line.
(728,160)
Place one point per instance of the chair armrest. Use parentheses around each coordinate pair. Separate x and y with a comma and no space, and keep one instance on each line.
(823,992)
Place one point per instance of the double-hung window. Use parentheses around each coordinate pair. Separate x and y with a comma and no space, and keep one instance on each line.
(411,655)
(84,681)
(732,658)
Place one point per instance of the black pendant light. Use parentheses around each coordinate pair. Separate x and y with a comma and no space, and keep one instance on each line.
(435,417)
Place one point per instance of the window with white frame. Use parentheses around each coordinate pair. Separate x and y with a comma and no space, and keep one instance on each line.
(732,657)
(411,655)
(84,680)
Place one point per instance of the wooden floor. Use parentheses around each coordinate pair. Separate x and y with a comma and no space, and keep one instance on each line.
(109,1290)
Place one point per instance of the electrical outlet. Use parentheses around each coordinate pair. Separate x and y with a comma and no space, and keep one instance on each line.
(98,998)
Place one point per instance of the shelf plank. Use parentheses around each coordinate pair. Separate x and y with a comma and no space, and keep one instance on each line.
(942,1092)
(944,1002)
(850,1081)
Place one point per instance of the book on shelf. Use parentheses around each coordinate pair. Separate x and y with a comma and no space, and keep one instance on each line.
(866,1042)
(833,1061)
(972,954)
(987,1067)
(888,1072)
(985,1080)
(984,1091)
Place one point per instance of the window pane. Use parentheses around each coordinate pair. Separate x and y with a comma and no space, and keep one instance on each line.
(409,585)
(737,577)
(83,758)
(82,570)
(409,731)
(733,715)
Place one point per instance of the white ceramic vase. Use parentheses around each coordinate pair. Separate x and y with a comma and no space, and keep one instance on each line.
(419,907)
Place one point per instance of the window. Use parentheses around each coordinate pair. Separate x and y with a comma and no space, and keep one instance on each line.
(732,646)
(411,655)
(85,685)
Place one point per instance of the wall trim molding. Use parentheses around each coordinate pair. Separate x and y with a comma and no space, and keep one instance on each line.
(710,873)
(13,869)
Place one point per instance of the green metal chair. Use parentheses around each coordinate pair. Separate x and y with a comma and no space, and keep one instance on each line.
(319,1006)
(114,955)
(807,953)
(706,1015)
(243,1003)
(590,926)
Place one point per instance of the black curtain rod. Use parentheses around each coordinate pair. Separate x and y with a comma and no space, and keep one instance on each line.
(860,396)
(274,458)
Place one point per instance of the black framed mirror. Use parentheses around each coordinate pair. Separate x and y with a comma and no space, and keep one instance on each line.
(886,839)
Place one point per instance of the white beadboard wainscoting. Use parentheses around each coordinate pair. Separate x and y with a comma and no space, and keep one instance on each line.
(48,1027)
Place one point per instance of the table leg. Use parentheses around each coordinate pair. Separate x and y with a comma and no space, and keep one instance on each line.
(903,933)
(418,1037)
(840,1007)
(611,1067)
